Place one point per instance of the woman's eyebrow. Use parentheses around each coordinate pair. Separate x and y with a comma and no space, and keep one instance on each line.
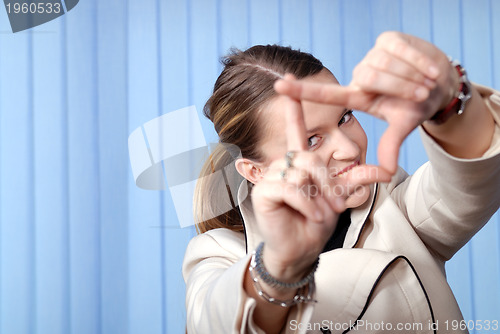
(315,129)
(320,127)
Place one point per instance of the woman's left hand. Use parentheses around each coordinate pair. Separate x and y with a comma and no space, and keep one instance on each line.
(403,80)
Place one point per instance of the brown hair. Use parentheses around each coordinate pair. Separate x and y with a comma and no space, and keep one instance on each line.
(243,88)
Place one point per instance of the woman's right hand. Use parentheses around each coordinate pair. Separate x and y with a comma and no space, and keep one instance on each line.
(295,215)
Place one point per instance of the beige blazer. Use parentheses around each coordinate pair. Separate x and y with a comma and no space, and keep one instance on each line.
(389,275)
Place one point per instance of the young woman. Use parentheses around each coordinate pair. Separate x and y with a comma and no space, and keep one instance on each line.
(324,243)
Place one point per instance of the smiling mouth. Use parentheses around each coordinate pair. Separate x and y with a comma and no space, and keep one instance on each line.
(344,171)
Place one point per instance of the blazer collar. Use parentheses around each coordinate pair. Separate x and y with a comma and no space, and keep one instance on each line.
(359,217)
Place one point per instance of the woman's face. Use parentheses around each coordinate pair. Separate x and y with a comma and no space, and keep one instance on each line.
(332,132)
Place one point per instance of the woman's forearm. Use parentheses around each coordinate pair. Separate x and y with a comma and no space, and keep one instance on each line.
(269,317)
(467,135)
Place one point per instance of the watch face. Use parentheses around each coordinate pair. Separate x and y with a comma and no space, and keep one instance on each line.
(458,104)
(465,91)
(464,94)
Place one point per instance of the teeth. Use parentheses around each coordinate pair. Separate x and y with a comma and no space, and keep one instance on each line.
(344,173)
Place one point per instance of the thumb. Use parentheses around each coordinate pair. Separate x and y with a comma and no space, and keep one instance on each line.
(388,147)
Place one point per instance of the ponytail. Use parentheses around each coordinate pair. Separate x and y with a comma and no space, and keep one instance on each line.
(216,191)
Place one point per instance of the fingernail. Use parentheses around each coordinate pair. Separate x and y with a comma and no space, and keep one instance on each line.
(433,71)
(421,93)
(430,83)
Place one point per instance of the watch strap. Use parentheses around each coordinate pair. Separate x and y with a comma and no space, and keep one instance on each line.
(459,102)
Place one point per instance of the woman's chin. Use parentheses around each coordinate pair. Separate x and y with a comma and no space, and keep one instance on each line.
(358,197)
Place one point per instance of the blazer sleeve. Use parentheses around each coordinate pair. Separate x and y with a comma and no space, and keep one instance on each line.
(449,199)
(214,268)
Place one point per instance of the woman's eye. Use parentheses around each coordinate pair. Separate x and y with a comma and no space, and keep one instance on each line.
(313,141)
(346,117)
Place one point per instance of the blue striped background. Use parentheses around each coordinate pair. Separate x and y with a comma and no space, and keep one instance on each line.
(82,249)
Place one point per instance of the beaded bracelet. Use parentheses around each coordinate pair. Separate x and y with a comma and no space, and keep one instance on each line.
(297,299)
(273,282)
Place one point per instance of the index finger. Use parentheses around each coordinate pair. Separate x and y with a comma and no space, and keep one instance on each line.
(296,136)
(333,94)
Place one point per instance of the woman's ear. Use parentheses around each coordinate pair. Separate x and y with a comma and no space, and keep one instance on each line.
(248,169)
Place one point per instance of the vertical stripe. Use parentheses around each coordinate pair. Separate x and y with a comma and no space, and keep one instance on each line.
(84,172)
(343,67)
(461,31)
(63,3)
(280,21)
(218,33)
(145,248)
(97,167)
(188,51)
(310,20)
(113,170)
(47,166)
(1,197)
(189,63)
(249,24)
(471,280)
(431,21)
(492,48)
(66,230)
(162,230)
(325,19)
(30,199)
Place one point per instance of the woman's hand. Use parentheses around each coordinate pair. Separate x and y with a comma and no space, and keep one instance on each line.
(294,217)
(403,80)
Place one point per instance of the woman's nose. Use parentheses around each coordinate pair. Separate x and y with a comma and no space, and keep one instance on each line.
(344,147)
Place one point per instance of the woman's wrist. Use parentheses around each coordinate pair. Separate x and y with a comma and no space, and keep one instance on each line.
(295,278)
(283,294)
(466,136)
(458,96)
(275,291)
(286,271)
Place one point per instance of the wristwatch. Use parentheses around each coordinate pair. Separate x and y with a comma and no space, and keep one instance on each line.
(459,102)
